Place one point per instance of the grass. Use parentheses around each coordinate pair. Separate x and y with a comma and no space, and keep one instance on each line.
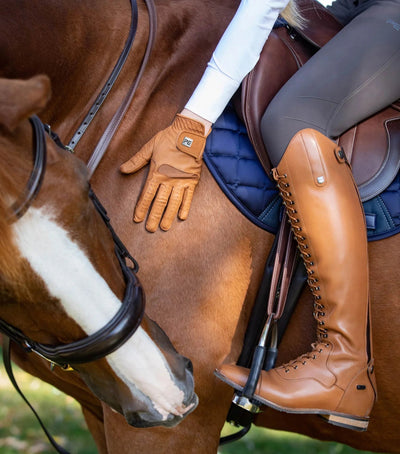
(267,441)
(20,433)
(19,430)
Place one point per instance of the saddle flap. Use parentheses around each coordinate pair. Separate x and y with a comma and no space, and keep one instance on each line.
(285,51)
(373,149)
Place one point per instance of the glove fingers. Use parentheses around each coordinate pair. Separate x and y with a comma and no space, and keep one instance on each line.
(157,210)
(186,202)
(146,197)
(171,211)
(138,160)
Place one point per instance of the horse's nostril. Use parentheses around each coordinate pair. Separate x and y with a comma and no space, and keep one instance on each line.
(189,365)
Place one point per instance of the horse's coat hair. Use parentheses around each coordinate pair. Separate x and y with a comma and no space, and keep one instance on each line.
(10,262)
(90,302)
(53,284)
(15,170)
(201,277)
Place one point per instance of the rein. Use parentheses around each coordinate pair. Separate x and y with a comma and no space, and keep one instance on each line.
(110,81)
(113,125)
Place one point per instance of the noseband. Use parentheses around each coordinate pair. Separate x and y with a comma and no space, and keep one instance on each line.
(128,318)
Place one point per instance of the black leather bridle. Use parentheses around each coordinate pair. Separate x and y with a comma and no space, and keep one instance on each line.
(34,184)
(128,318)
(106,340)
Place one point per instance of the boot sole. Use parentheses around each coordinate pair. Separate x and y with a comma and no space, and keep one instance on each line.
(346,421)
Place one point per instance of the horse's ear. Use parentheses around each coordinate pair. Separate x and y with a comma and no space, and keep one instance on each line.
(20,99)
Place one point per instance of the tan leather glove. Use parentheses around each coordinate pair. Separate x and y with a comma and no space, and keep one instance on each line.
(176,158)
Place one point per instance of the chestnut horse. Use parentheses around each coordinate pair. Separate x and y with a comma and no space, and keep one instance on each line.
(51,258)
(200,277)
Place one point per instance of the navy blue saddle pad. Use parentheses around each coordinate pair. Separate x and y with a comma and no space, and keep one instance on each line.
(233,162)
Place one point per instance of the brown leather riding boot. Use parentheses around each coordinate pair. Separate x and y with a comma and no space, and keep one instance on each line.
(336,378)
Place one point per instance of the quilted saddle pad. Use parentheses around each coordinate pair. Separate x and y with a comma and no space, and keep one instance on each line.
(231,159)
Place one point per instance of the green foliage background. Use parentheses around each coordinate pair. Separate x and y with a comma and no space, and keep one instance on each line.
(20,433)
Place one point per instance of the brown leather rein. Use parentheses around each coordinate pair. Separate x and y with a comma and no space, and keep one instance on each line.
(113,125)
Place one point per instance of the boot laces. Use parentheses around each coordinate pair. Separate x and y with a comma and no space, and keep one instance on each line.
(312,280)
(317,348)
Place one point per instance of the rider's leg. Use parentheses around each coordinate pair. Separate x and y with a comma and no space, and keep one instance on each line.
(352,77)
(336,378)
(345,82)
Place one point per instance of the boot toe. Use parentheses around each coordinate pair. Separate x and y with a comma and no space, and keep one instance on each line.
(235,376)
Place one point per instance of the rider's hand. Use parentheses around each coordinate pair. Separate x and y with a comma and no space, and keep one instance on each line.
(175,156)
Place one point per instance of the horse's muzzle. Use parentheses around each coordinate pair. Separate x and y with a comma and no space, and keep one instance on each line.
(149,416)
(142,420)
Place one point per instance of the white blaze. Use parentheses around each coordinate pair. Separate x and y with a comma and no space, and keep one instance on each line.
(87,299)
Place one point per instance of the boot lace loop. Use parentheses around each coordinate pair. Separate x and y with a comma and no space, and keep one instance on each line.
(312,281)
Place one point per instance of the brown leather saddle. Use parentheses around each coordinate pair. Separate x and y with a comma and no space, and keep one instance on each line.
(372,146)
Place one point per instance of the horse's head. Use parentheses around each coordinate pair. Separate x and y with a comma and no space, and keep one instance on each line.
(61,280)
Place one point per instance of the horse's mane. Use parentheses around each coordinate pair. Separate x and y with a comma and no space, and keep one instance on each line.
(293,15)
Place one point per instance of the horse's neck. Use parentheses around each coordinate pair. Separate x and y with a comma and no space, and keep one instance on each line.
(63,40)
(187,34)
(78,42)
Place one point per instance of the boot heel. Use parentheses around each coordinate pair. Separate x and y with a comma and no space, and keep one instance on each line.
(348,422)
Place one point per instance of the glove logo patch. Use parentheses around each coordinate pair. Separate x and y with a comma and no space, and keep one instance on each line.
(187,142)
